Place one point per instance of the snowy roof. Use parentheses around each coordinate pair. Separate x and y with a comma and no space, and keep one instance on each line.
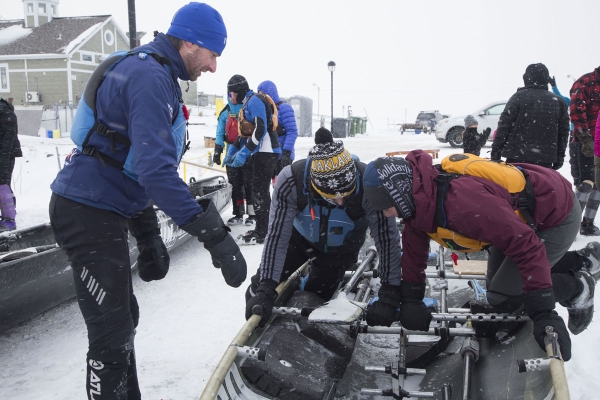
(59,36)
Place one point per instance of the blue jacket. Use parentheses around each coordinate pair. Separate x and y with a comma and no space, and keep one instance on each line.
(140,99)
(261,140)
(286,119)
(220,136)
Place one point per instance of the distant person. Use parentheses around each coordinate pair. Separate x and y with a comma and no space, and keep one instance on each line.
(585,102)
(228,131)
(319,212)
(552,83)
(534,126)
(473,141)
(287,132)
(126,159)
(10,147)
(527,269)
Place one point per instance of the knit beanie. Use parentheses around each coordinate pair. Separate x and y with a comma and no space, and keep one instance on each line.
(387,183)
(332,170)
(323,135)
(239,85)
(200,24)
(537,75)
(470,120)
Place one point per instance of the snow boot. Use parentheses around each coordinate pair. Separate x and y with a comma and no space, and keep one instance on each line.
(591,253)
(588,228)
(250,238)
(235,220)
(8,209)
(581,308)
(251,220)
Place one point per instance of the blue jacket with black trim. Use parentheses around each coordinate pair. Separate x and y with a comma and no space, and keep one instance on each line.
(139,99)
(286,118)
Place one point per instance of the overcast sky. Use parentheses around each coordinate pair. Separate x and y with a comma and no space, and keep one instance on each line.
(393,57)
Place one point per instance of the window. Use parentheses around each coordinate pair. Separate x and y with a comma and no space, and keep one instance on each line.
(496,110)
(53,8)
(109,38)
(29,8)
(87,57)
(4,82)
(41,8)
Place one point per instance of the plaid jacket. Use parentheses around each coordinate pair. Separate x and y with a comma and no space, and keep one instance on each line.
(585,102)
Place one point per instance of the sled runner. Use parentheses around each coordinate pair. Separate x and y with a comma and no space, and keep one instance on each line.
(35,274)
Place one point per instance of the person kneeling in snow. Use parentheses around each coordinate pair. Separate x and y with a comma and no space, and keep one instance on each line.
(526,268)
(319,212)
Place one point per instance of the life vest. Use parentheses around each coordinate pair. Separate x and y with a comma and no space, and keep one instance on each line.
(86,123)
(246,128)
(329,228)
(514,179)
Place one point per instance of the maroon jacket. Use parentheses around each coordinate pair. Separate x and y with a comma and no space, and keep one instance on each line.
(481,209)
(585,102)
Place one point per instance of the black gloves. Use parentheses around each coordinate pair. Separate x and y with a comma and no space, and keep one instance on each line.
(217,154)
(153,259)
(210,229)
(262,301)
(384,311)
(559,163)
(539,305)
(414,314)
(587,143)
(487,132)
(495,155)
(286,159)
(552,81)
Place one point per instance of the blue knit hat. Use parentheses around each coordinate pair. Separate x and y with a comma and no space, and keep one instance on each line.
(387,183)
(200,24)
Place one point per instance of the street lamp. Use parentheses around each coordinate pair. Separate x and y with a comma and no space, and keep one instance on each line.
(331,66)
(318,100)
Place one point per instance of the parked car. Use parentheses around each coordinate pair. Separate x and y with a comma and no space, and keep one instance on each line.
(429,118)
(449,130)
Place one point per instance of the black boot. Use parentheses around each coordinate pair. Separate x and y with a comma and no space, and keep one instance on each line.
(588,228)
(591,252)
(581,307)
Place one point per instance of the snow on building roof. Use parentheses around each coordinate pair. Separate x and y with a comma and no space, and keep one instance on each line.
(59,36)
(10,33)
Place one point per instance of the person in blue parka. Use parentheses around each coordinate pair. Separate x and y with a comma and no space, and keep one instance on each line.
(130,131)
(287,130)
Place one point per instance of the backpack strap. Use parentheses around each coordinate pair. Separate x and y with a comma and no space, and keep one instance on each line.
(443,182)
(525,202)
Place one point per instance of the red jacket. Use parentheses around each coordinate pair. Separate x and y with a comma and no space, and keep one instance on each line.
(481,209)
(585,102)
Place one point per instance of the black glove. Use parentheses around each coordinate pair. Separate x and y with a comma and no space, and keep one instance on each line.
(384,311)
(552,81)
(414,314)
(495,155)
(286,159)
(539,306)
(153,259)
(558,164)
(262,301)
(487,132)
(217,154)
(210,229)
(587,143)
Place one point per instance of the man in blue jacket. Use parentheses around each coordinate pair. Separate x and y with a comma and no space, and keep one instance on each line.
(130,134)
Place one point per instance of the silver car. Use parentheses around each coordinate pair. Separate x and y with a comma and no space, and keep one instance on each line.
(449,130)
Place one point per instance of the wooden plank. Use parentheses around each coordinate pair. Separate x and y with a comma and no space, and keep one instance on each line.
(471,267)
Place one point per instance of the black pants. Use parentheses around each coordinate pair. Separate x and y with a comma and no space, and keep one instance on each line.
(263,165)
(241,181)
(95,241)
(582,167)
(327,269)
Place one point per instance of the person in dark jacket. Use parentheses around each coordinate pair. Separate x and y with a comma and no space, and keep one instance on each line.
(10,147)
(526,268)
(287,131)
(473,141)
(130,130)
(585,103)
(534,126)
(319,212)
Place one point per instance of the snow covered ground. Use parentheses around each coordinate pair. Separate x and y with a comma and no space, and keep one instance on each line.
(190,317)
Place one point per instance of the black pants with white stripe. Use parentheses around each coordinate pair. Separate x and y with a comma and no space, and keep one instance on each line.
(96,244)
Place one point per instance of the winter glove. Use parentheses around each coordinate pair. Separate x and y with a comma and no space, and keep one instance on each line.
(231,152)
(414,314)
(217,155)
(539,306)
(210,229)
(254,282)
(286,159)
(153,258)
(384,311)
(552,81)
(558,164)
(487,132)
(262,302)
(495,155)
(587,143)
(241,157)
